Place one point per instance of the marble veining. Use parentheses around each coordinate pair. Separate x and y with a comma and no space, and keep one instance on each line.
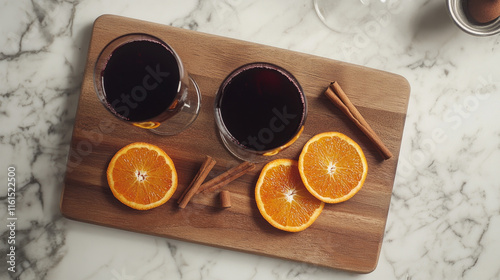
(444,220)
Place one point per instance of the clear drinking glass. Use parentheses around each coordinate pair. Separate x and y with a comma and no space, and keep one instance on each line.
(141,80)
(260,109)
(346,15)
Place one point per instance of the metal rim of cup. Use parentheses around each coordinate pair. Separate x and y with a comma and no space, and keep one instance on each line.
(227,80)
(457,12)
(115,44)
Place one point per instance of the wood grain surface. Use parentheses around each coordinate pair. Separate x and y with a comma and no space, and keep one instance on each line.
(346,236)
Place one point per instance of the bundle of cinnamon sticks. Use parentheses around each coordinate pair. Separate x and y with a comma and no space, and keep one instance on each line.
(197,186)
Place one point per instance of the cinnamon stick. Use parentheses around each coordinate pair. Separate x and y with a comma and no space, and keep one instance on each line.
(225,199)
(226,177)
(191,190)
(335,93)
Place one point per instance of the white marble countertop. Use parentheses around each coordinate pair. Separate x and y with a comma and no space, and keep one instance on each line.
(444,220)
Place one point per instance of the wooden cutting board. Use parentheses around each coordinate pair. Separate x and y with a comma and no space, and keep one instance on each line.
(346,236)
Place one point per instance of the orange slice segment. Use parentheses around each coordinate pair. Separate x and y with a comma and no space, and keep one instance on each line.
(332,167)
(282,198)
(142,176)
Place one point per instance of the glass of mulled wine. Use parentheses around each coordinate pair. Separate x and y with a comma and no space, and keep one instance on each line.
(260,109)
(141,80)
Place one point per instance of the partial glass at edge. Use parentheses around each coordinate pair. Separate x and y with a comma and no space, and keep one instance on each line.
(347,16)
(242,151)
(179,114)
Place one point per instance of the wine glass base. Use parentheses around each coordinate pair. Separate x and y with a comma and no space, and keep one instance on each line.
(186,115)
(242,154)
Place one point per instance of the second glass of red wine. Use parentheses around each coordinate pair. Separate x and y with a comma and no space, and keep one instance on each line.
(141,80)
(260,109)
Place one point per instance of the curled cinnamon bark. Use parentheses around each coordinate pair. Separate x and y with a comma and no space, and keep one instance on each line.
(335,93)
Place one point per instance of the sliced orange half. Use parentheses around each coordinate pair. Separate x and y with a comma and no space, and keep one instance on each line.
(142,176)
(282,198)
(332,167)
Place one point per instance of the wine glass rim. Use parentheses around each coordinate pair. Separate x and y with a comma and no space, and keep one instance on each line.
(252,65)
(118,42)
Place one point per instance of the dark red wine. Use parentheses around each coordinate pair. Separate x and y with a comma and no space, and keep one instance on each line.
(262,106)
(140,80)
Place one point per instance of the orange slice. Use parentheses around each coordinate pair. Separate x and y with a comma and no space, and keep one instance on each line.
(282,198)
(142,176)
(332,167)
